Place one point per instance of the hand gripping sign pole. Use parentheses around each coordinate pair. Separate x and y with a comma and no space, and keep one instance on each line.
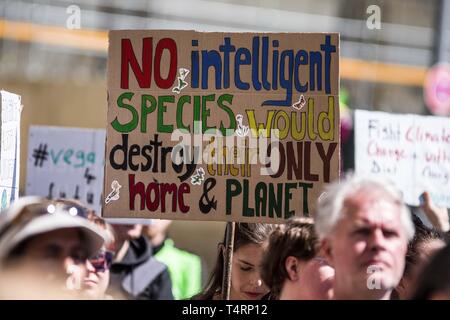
(227,265)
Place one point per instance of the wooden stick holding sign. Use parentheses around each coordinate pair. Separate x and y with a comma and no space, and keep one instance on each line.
(227,263)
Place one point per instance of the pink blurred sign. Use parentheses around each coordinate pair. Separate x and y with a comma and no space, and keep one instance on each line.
(437,89)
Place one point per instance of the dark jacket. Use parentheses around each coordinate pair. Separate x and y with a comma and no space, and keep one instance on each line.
(139,275)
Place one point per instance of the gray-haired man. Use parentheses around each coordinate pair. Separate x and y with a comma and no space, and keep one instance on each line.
(364,227)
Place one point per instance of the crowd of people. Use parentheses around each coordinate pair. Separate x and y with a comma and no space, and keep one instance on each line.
(362,242)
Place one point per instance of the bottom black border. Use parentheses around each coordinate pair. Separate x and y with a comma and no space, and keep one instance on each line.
(168,310)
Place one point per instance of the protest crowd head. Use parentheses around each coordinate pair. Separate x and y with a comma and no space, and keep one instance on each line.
(96,280)
(46,244)
(364,227)
(250,239)
(426,242)
(434,280)
(291,266)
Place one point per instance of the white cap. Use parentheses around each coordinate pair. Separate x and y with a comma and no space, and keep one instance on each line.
(13,235)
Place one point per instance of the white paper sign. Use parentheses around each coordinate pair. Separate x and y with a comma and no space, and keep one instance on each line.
(11,109)
(412,151)
(66,163)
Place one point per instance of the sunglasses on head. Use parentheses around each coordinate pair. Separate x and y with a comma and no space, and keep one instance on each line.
(102,261)
(34,210)
(72,209)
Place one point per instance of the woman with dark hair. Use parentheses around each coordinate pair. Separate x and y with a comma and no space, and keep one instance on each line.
(250,239)
(426,242)
(96,280)
(291,266)
(434,281)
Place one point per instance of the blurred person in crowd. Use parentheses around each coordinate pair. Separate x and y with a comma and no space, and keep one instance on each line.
(185,268)
(96,280)
(434,280)
(250,240)
(364,227)
(135,273)
(292,266)
(98,267)
(44,247)
(426,242)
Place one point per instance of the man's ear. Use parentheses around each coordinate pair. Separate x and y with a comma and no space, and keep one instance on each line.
(292,268)
(327,250)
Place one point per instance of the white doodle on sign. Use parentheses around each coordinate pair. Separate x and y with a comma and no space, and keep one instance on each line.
(241,130)
(181,80)
(183,73)
(114,194)
(300,103)
(199,177)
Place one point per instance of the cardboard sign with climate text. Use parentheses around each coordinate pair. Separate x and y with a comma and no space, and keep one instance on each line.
(412,151)
(220,126)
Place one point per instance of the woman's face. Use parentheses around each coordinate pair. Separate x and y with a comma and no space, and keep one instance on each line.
(246,282)
(55,261)
(97,278)
(58,256)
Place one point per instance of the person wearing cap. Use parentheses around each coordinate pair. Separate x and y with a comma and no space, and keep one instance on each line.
(44,245)
(96,280)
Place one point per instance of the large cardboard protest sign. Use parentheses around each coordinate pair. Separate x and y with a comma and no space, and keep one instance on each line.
(412,151)
(220,126)
(66,163)
(11,109)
